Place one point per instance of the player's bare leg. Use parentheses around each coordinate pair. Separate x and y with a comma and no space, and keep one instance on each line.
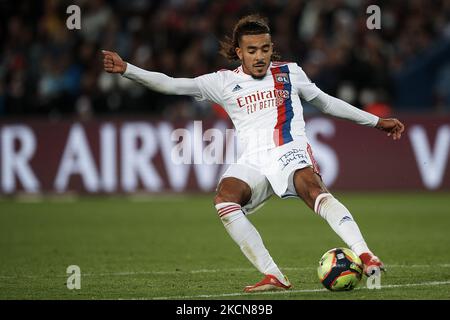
(232,194)
(310,188)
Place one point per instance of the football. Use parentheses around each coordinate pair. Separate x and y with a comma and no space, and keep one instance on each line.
(340,269)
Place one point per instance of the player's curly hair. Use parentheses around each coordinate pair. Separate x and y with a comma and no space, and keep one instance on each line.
(248,25)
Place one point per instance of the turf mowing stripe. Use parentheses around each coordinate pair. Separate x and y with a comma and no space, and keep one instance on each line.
(224,295)
(244,270)
(157,198)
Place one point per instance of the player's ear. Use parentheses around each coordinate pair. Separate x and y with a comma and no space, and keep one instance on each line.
(239,52)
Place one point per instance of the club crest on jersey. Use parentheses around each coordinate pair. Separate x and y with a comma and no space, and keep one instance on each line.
(282,78)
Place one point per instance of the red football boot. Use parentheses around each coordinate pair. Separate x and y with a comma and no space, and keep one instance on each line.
(371,262)
(269,283)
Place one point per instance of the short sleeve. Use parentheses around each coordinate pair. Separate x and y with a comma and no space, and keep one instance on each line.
(305,87)
(211,87)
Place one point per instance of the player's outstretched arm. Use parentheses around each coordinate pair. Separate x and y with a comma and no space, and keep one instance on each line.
(341,109)
(160,82)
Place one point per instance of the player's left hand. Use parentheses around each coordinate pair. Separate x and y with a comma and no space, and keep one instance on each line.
(392,126)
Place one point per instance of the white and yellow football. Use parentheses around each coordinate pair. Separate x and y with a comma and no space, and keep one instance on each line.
(340,269)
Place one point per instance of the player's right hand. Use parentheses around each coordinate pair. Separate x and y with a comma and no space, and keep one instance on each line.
(113,63)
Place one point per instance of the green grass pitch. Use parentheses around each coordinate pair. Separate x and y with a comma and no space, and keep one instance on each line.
(175,247)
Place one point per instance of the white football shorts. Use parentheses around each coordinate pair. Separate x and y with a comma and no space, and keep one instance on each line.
(271,171)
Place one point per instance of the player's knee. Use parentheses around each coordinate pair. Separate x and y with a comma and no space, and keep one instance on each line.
(225,197)
(310,195)
(314,193)
(230,190)
(218,198)
(234,196)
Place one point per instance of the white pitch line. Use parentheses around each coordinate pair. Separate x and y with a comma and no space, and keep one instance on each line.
(440,265)
(199,271)
(430,283)
(224,295)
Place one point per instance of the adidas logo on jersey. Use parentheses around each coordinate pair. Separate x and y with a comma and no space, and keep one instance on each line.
(236,88)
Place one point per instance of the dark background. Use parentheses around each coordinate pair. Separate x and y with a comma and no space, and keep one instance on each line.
(48,70)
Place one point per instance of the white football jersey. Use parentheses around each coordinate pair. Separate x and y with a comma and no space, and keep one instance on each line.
(266,112)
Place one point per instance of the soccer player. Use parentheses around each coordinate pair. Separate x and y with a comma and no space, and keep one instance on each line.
(262,98)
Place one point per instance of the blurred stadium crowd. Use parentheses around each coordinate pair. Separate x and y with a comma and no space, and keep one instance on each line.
(46,69)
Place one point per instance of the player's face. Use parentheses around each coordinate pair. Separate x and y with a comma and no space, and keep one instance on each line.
(255,52)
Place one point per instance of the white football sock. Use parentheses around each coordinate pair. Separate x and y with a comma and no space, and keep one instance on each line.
(248,239)
(341,221)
